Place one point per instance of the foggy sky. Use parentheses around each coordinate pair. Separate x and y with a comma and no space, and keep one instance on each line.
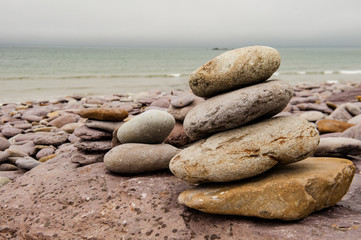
(183,23)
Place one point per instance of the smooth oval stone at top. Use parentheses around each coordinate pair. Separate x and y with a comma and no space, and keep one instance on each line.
(234,69)
(152,126)
(104,114)
(246,151)
(138,158)
(236,108)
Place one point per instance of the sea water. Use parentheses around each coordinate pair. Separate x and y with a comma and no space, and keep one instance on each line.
(36,73)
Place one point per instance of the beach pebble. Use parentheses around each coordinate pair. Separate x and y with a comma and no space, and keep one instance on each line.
(338,147)
(4,156)
(85,145)
(45,152)
(234,69)
(11,131)
(27,148)
(247,151)
(308,99)
(46,158)
(51,138)
(87,133)
(134,158)
(182,100)
(8,167)
(353,109)
(178,137)
(322,107)
(152,126)
(334,134)
(70,127)
(236,108)
(352,132)
(340,113)
(36,114)
(85,158)
(27,163)
(355,120)
(4,181)
(23,126)
(103,125)
(23,137)
(62,120)
(163,102)
(180,113)
(104,114)
(4,144)
(313,116)
(330,125)
(288,193)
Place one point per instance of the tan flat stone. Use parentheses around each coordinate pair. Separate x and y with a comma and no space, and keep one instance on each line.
(288,192)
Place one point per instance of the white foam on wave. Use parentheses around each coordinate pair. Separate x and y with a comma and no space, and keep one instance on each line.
(175,74)
(332,81)
(301,72)
(328,72)
(350,72)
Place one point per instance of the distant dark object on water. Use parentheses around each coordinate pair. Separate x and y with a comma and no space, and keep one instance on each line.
(220,49)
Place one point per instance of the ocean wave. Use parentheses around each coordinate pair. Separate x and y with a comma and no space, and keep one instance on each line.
(175,75)
(350,72)
(326,72)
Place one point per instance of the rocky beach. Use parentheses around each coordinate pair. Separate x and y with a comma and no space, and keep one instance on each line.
(239,156)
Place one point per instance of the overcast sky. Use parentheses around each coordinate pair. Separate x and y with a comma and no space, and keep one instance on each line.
(181,23)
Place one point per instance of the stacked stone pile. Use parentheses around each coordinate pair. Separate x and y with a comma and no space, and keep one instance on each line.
(239,139)
(141,146)
(95,136)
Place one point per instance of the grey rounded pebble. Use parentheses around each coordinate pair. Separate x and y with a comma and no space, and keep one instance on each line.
(151,127)
(8,167)
(87,133)
(85,145)
(236,108)
(133,158)
(27,163)
(234,69)
(51,138)
(313,116)
(182,100)
(45,152)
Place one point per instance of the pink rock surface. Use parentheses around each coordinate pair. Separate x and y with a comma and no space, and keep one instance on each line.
(59,200)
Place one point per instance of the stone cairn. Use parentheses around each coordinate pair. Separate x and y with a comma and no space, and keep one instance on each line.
(233,165)
(96,133)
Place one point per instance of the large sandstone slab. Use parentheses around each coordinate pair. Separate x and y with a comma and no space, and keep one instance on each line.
(247,151)
(236,108)
(288,192)
(60,200)
(234,69)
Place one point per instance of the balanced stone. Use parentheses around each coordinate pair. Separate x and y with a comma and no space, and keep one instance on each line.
(104,114)
(236,108)
(179,113)
(103,125)
(288,192)
(234,69)
(152,126)
(338,147)
(138,158)
(85,145)
(247,151)
(87,133)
